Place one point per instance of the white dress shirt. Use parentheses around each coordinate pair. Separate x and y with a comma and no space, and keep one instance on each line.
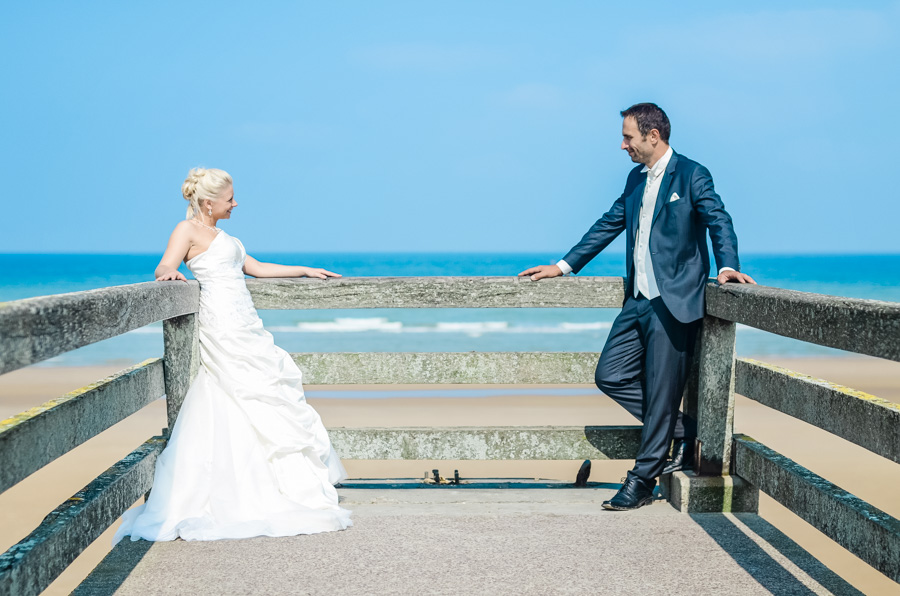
(645,280)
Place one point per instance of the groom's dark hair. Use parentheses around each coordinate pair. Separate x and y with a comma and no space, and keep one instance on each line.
(649,116)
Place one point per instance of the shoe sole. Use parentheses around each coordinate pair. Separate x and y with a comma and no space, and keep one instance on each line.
(641,503)
(678,469)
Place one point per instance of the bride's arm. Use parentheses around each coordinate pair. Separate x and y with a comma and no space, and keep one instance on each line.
(177,249)
(256,269)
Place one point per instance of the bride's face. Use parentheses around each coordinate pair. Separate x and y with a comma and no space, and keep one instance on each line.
(224,203)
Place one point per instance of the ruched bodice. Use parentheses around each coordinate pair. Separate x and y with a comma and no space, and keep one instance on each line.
(222,260)
(247,456)
(224,299)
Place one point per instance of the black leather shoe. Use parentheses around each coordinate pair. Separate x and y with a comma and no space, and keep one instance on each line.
(633,494)
(682,456)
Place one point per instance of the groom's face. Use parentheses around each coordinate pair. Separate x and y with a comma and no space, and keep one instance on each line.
(639,147)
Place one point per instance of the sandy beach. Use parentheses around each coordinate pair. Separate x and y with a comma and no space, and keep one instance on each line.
(868,476)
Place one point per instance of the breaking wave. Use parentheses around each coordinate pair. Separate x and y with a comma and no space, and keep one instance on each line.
(472,328)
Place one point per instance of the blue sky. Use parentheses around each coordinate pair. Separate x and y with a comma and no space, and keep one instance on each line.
(465,126)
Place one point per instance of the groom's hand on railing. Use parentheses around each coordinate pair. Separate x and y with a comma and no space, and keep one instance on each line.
(733,276)
(542,271)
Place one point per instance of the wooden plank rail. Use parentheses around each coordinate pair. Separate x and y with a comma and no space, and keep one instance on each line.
(488,443)
(32,564)
(858,417)
(36,437)
(36,329)
(333,368)
(437,292)
(869,327)
(864,530)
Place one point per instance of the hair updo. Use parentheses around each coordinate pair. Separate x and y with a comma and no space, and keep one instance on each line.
(203,184)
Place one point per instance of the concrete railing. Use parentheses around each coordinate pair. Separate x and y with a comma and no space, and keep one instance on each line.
(36,329)
(465,367)
(867,327)
(730,470)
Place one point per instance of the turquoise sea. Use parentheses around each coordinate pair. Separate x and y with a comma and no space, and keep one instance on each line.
(438,330)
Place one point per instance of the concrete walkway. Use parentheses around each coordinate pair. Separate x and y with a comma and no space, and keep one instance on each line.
(482,539)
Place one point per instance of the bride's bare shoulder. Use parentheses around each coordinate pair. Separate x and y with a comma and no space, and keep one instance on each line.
(183,238)
(184,229)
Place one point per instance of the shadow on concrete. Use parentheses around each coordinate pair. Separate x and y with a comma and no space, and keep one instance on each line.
(772,574)
(114,569)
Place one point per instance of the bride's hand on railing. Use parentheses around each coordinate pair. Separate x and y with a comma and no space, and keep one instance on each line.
(174,275)
(317,273)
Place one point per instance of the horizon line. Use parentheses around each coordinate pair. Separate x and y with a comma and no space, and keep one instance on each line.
(446,252)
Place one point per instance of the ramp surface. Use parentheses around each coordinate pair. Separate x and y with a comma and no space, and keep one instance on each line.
(482,539)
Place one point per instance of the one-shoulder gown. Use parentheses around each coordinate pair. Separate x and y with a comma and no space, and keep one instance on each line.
(247,455)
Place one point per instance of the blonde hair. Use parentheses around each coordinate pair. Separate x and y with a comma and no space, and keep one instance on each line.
(203,184)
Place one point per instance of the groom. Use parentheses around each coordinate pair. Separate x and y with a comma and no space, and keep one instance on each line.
(668,206)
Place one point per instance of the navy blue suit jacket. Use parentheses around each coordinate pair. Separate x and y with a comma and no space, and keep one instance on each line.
(678,246)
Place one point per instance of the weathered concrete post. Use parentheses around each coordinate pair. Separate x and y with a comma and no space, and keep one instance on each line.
(715,397)
(181,360)
(690,399)
(709,399)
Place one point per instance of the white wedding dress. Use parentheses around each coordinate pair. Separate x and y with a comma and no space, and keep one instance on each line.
(247,456)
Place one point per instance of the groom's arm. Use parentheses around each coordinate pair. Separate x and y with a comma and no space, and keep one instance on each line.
(711,210)
(604,231)
(596,239)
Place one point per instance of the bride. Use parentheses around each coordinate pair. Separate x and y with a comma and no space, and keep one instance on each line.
(247,456)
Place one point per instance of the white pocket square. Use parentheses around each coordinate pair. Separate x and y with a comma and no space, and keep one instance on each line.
(674,197)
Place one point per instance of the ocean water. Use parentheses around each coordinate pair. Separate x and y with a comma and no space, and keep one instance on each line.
(438,330)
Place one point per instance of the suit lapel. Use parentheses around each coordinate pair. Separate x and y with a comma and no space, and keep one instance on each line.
(663,197)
